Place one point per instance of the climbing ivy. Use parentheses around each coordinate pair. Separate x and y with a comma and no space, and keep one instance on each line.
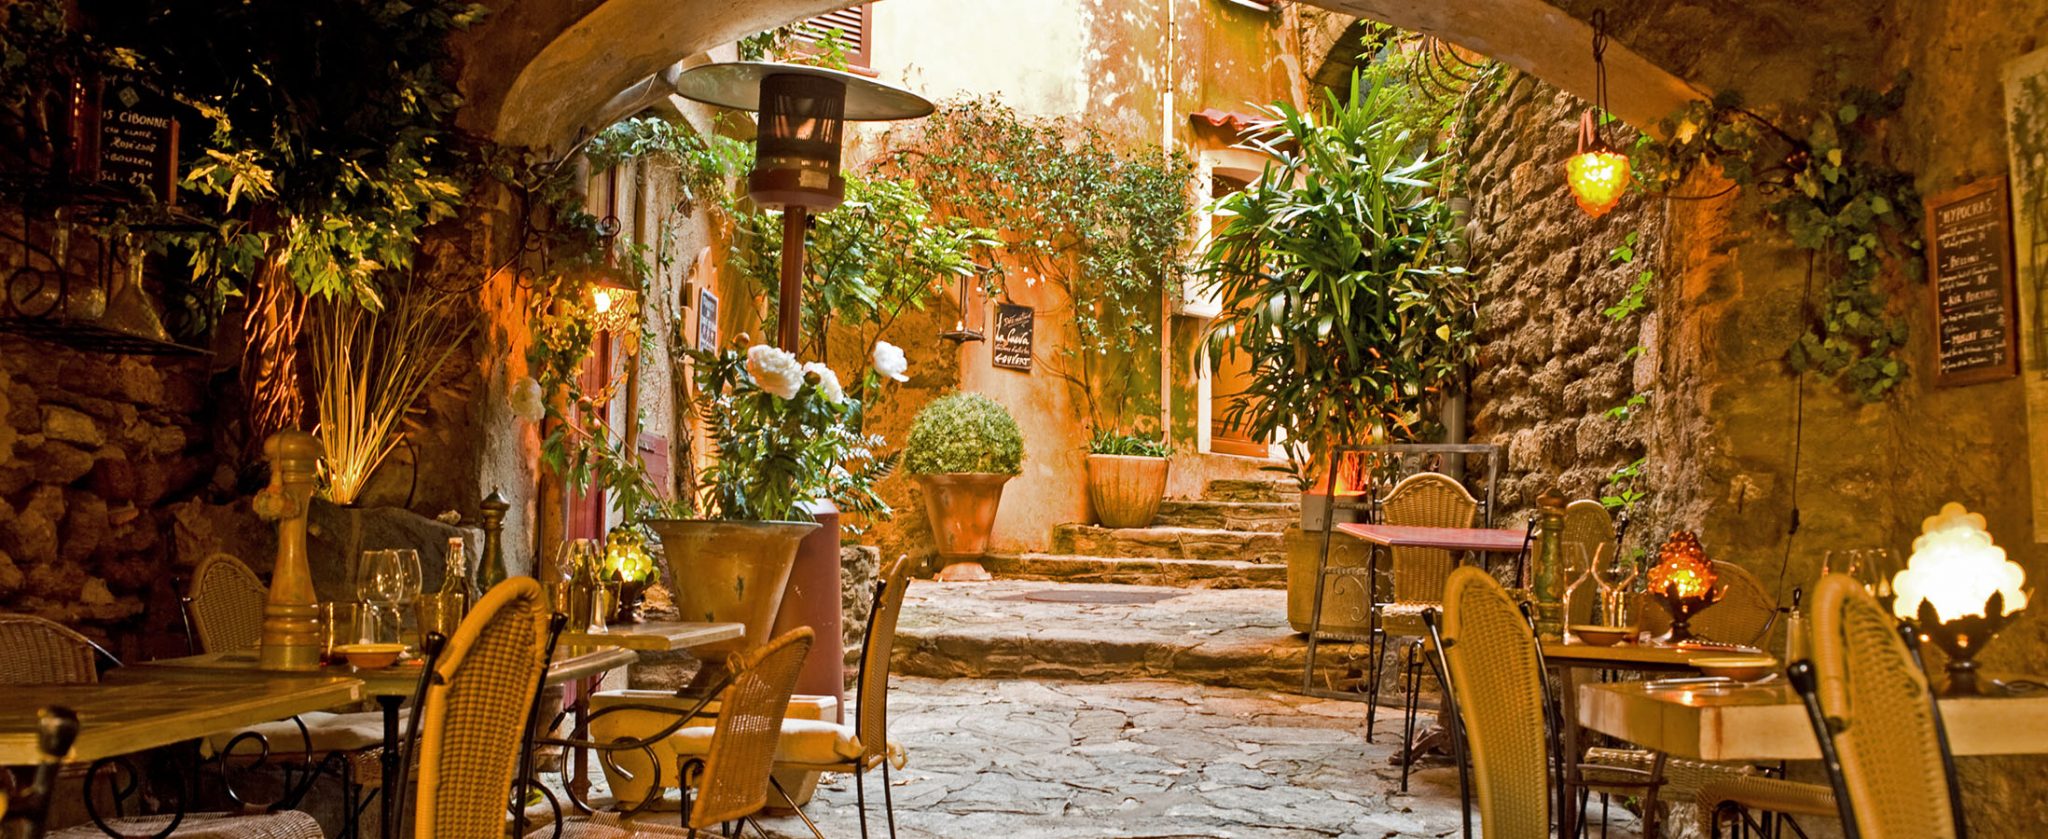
(1624,488)
(1832,196)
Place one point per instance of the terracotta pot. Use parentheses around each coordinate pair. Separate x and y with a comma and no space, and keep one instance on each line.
(962,507)
(814,599)
(731,571)
(1126,489)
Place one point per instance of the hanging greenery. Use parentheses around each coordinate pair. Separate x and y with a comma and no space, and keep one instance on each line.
(1104,225)
(1830,195)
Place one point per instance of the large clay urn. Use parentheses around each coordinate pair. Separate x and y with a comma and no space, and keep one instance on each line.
(1126,489)
(962,507)
(731,571)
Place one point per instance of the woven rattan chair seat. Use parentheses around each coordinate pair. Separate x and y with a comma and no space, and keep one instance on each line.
(1757,792)
(290,824)
(605,826)
(328,732)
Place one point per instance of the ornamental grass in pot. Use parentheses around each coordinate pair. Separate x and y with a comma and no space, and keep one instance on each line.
(1126,478)
(785,436)
(962,448)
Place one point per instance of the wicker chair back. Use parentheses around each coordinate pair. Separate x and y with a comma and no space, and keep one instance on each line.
(227,604)
(1497,676)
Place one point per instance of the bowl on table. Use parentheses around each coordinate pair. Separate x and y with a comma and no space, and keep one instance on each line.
(1602,635)
(371,656)
(1741,668)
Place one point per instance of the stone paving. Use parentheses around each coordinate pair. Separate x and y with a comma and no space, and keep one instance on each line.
(1156,759)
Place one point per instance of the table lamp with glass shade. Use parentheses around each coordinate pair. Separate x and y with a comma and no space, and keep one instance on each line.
(796,157)
(1960,590)
(1683,581)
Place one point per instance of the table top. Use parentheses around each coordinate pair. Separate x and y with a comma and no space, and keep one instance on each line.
(396,680)
(1653,657)
(1476,539)
(657,636)
(144,712)
(1767,722)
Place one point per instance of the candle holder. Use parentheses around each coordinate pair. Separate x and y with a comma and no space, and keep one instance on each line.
(1683,581)
(1954,568)
(1682,607)
(1961,639)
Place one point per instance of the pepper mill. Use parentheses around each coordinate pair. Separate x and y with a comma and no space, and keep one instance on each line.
(490,569)
(291,627)
(1547,581)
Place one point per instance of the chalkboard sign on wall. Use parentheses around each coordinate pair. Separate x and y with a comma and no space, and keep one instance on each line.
(1011,349)
(135,143)
(1969,237)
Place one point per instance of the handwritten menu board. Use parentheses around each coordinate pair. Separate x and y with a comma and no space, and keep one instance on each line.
(1011,349)
(137,138)
(1969,235)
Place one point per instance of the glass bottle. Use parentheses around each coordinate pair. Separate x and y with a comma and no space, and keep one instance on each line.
(456,594)
(582,581)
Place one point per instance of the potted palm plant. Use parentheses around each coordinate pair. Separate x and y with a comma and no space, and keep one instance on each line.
(962,448)
(786,434)
(1126,478)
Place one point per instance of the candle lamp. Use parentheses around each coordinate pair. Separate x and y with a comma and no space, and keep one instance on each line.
(1959,590)
(1683,581)
(1598,175)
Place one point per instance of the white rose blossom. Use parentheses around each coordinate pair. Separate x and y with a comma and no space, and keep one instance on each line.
(527,401)
(828,381)
(775,371)
(889,361)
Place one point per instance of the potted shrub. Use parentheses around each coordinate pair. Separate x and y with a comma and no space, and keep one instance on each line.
(1126,478)
(963,447)
(785,435)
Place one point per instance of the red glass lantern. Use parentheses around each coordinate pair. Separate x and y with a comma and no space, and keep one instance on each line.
(1598,175)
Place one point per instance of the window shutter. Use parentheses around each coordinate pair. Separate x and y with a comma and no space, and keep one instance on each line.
(851,24)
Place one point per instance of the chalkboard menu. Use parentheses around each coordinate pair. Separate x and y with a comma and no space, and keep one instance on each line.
(136,141)
(1969,236)
(1012,344)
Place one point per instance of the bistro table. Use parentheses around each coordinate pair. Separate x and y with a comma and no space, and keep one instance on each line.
(1566,658)
(390,686)
(1767,722)
(144,711)
(646,636)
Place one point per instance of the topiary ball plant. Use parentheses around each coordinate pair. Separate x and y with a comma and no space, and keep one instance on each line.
(963,432)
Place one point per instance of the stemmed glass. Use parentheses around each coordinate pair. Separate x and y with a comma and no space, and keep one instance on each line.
(409,582)
(1615,586)
(379,580)
(573,555)
(1578,568)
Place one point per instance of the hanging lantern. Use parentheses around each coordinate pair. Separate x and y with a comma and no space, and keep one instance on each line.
(1683,581)
(1598,175)
(1960,590)
(971,324)
(614,301)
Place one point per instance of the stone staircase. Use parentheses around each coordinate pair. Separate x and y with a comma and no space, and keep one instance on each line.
(1229,538)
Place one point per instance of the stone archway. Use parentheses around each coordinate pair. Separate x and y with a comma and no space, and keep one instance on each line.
(560,68)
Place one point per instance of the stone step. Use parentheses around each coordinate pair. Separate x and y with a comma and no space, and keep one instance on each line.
(1143,571)
(1233,637)
(1251,489)
(1264,516)
(1167,543)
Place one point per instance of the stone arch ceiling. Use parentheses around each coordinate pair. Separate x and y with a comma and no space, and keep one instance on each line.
(539,72)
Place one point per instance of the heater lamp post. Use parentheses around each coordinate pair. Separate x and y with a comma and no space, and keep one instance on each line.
(804,111)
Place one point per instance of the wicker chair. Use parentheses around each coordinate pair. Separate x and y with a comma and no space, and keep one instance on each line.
(1490,654)
(35,651)
(1744,615)
(1875,708)
(1424,499)
(225,604)
(475,707)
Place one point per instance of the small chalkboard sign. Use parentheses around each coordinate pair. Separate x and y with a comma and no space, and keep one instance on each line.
(136,142)
(1969,236)
(1011,349)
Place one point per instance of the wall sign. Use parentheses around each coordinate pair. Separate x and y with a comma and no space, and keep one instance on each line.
(1011,348)
(707,319)
(136,141)
(2026,142)
(1969,235)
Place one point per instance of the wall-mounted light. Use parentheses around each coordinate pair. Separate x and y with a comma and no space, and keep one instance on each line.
(971,325)
(1598,175)
(614,300)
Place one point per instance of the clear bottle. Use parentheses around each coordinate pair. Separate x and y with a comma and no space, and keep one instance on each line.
(456,593)
(582,582)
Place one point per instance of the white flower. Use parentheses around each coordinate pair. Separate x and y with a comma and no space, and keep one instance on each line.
(527,401)
(828,381)
(889,361)
(775,371)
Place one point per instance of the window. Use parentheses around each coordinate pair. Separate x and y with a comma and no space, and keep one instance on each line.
(852,26)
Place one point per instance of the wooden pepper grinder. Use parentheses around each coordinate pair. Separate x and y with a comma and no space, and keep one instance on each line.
(291,628)
(1547,581)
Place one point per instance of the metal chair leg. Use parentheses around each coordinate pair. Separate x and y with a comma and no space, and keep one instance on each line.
(786,799)
(888,798)
(860,798)
(1411,685)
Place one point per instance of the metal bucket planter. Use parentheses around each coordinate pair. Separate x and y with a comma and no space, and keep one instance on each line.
(962,507)
(731,571)
(1126,489)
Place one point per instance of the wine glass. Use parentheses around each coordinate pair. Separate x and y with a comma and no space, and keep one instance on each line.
(571,556)
(378,581)
(1875,568)
(409,577)
(1578,568)
(1616,601)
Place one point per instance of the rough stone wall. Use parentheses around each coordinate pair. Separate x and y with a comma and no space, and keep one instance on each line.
(1551,363)
(94,451)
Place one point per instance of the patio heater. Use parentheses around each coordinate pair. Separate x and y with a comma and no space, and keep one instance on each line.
(796,158)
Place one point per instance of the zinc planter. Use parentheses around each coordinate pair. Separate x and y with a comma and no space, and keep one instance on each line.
(731,571)
(1126,489)
(962,507)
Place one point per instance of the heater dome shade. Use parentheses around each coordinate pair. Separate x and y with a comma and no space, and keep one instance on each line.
(737,84)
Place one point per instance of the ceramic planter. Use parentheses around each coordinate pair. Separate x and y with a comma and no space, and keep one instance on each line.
(1126,489)
(962,507)
(731,571)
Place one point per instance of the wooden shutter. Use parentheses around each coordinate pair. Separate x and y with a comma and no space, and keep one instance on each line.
(853,26)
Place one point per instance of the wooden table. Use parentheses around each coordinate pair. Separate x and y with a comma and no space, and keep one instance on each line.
(1568,658)
(144,713)
(657,636)
(1768,723)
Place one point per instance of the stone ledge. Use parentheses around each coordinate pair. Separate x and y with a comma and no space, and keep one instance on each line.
(1142,571)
